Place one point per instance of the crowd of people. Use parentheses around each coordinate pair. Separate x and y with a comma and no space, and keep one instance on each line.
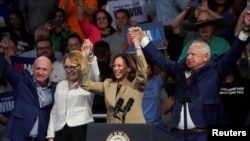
(81,66)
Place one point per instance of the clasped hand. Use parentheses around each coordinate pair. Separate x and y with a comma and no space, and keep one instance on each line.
(246,21)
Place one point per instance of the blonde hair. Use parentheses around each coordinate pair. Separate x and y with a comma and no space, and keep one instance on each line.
(74,56)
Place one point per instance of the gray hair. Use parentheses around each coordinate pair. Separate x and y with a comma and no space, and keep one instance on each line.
(205,48)
(39,29)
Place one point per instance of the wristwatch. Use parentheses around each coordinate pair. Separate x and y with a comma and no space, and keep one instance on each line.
(245,29)
(91,55)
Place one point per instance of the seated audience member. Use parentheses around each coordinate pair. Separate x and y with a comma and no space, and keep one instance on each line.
(103,21)
(190,14)
(102,52)
(116,43)
(6,6)
(44,48)
(59,30)
(41,32)
(235,94)
(18,28)
(206,26)
(165,11)
(73,42)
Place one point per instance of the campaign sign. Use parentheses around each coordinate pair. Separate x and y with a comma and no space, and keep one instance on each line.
(6,103)
(22,63)
(135,7)
(153,30)
(7,98)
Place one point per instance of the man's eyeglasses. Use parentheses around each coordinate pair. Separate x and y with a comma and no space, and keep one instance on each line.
(70,68)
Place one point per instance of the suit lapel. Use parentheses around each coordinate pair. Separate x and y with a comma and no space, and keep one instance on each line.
(113,89)
(124,87)
(34,91)
(112,93)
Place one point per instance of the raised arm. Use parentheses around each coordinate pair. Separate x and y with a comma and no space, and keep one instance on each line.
(234,53)
(176,23)
(85,8)
(90,60)
(89,30)
(239,21)
(141,77)
(89,69)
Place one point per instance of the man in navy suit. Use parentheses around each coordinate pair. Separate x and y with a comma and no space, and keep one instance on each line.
(197,103)
(33,100)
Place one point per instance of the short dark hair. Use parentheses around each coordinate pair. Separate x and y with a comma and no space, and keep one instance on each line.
(125,11)
(44,39)
(74,36)
(130,61)
(100,48)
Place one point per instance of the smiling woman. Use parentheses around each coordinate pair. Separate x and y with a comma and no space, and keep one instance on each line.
(128,82)
(72,63)
(73,104)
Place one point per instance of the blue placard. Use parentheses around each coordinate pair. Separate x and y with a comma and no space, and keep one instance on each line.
(6,103)
(154,31)
(22,63)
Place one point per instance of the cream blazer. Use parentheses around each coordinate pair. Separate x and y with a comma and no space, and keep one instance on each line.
(72,106)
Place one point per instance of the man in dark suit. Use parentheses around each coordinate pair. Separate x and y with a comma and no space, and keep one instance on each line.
(198,79)
(33,100)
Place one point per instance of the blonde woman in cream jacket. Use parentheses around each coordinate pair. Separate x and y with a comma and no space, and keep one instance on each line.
(72,109)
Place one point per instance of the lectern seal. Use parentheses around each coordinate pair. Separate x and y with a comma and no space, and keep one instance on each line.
(117,135)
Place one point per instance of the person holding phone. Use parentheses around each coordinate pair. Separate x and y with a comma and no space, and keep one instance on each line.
(60,30)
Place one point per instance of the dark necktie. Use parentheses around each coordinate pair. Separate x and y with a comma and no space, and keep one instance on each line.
(188,79)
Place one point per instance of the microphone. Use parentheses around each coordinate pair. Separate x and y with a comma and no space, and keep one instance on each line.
(127,107)
(118,106)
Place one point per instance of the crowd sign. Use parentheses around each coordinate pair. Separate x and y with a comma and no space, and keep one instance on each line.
(154,31)
(6,103)
(22,63)
(135,8)
(7,98)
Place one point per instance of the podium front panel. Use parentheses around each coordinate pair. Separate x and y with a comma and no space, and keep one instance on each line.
(127,132)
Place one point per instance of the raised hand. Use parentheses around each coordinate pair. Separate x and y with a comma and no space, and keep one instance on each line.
(79,2)
(4,44)
(86,49)
(246,20)
(3,119)
(136,33)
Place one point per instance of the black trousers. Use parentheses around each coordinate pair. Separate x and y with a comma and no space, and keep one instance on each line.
(31,139)
(71,133)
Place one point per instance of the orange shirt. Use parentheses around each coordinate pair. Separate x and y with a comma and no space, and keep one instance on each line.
(71,12)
